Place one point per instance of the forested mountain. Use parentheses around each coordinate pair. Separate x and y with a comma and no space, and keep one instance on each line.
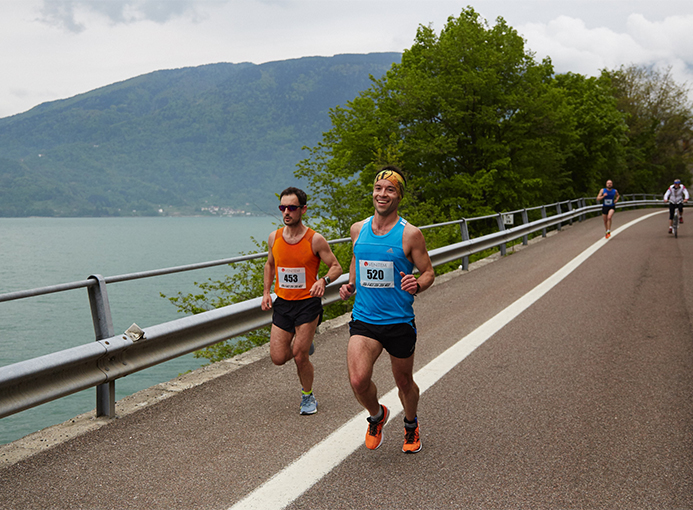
(226,135)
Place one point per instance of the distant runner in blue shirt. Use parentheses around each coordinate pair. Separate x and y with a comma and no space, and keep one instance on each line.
(609,196)
(386,250)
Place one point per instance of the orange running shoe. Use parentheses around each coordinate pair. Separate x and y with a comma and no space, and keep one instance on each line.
(412,440)
(608,235)
(374,435)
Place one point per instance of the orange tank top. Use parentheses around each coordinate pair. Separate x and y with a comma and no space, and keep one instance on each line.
(296,266)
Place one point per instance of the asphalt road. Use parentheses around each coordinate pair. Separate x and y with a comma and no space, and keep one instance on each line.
(583,400)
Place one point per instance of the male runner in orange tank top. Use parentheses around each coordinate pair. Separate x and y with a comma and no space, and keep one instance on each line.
(295,252)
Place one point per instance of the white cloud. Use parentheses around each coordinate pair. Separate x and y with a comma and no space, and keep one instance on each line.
(574,47)
(669,42)
(68,14)
(61,14)
(669,34)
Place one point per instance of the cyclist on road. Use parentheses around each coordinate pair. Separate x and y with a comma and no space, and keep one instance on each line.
(609,196)
(676,195)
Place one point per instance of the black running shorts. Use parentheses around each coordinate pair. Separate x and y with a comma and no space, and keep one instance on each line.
(673,207)
(289,314)
(399,340)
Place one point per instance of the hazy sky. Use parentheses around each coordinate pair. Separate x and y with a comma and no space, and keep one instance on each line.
(54,49)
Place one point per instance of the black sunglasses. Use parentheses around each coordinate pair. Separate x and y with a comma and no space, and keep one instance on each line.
(291,208)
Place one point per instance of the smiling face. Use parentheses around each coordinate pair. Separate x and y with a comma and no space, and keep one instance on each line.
(385,197)
(292,217)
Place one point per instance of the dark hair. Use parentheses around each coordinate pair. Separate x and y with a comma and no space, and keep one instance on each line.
(300,194)
(394,169)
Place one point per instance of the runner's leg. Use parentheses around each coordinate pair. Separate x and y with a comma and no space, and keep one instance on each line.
(280,345)
(362,352)
(300,351)
(402,370)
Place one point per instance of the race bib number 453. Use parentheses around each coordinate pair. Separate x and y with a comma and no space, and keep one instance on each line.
(291,277)
(377,274)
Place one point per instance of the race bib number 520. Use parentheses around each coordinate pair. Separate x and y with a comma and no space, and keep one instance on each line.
(377,274)
(291,277)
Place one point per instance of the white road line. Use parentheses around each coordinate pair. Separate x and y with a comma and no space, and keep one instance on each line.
(287,485)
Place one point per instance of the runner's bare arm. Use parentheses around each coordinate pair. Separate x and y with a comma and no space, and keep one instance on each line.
(414,246)
(268,276)
(349,289)
(322,249)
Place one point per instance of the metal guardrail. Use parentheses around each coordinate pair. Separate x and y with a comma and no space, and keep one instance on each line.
(33,382)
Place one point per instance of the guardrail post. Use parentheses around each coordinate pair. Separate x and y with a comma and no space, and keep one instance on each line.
(558,211)
(570,208)
(525,220)
(501,227)
(582,203)
(103,328)
(543,216)
(464,230)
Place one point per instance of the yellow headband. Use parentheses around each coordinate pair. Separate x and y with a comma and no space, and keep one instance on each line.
(394,178)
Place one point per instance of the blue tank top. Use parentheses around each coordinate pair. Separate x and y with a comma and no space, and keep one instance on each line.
(609,196)
(378,261)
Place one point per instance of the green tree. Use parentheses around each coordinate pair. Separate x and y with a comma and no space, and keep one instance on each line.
(477,124)
(597,152)
(660,128)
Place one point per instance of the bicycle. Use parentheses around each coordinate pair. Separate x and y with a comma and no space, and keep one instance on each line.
(675,223)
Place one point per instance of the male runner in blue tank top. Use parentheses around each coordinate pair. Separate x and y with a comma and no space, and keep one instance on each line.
(386,249)
(609,196)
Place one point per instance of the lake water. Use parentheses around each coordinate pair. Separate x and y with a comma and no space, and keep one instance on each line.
(37,252)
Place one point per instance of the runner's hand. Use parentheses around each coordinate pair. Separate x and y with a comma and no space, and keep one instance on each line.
(409,283)
(346,291)
(318,288)
(266,303)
